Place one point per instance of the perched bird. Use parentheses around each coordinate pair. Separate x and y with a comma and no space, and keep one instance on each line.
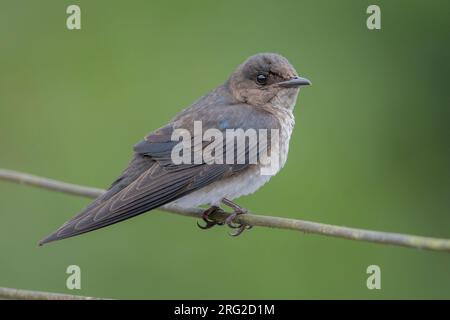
(260,94)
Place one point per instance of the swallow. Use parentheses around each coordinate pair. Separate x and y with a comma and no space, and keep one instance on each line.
(259,95)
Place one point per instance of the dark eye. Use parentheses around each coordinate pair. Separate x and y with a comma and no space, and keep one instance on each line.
(261,79)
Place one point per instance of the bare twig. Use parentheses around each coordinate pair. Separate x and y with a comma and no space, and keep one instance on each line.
(19,294)
(411,241)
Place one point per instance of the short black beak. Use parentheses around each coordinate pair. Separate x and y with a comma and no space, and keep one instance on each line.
(295,82)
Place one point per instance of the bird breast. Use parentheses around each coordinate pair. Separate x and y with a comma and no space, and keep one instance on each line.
(247,181)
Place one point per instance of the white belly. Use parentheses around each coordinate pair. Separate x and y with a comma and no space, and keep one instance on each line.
(231,188)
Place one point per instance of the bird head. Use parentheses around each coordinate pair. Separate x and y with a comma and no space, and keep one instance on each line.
(266,79)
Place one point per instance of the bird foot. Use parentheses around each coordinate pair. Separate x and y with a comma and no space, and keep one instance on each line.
(237,210)
(208,222)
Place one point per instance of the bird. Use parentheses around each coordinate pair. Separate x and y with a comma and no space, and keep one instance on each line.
(260,95)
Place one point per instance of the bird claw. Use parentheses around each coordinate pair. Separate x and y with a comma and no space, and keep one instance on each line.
(237,210)
(208,222)
(241,228)
(229,221)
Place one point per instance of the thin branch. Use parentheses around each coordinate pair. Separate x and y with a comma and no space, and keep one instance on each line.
(49,184)
(405,240)
(19,294)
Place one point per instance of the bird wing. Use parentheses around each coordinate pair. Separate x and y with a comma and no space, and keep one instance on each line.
(150,181)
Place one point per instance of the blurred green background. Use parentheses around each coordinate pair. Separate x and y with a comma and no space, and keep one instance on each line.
(370,148)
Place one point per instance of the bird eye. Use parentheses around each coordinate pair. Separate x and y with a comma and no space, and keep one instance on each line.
(261,79)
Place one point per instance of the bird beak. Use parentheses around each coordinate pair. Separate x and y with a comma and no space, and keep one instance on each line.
(295,82)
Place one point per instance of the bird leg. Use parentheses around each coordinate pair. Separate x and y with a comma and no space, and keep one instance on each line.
(237,210)
(208,222)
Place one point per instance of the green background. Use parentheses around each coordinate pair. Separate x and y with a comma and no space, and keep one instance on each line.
(370,148)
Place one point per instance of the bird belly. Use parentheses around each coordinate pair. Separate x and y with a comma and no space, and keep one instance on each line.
(231,188)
